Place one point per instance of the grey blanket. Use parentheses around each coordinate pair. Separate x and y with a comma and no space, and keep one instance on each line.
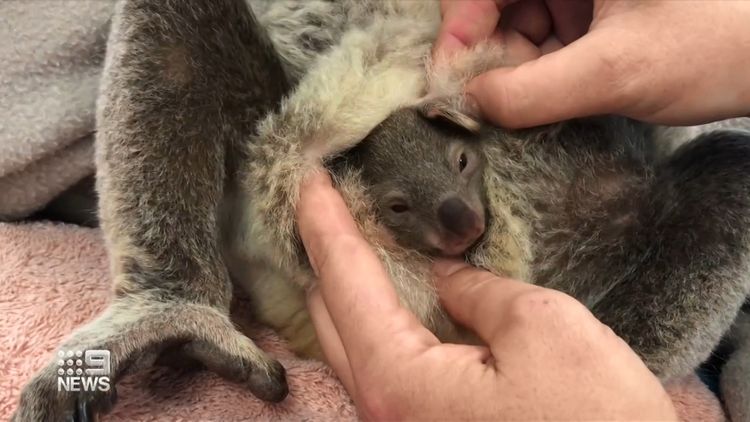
(51,56)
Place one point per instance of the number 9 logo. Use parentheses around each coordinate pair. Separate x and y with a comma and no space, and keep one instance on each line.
(97,362)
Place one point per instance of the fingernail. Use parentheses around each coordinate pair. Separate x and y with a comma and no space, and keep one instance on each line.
(448,267)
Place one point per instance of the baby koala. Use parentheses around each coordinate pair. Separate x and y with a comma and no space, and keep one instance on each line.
(425,177)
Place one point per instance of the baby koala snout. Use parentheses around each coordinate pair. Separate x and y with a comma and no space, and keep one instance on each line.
(458,218)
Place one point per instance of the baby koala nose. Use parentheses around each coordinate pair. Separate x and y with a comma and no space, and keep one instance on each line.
(458,218)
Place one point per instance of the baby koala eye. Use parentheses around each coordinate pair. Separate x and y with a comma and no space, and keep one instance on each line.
(399,208)
(395,202)
(463,161)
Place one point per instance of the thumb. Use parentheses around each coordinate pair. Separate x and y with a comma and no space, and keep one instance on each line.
(580,79)
(477,298)
(446,267)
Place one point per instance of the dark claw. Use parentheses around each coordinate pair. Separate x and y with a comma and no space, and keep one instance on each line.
(90,406)
(104,402)
(109,404)
(83,410)
(271,386)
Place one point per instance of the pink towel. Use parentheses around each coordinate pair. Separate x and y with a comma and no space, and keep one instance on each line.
(54,278)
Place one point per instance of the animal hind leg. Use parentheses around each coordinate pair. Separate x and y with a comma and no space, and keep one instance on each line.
(684,266)
(183,82)
(131,330)
(735,375)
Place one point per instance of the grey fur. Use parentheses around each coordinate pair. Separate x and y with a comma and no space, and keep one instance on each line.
(166,62)
(656,247)
(734,381)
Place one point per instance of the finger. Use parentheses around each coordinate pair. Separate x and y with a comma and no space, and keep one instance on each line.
(465,23)
(518,49)
(582,79)
(329,340)
(475,297)
(353,283)
(570,18)
(530,18)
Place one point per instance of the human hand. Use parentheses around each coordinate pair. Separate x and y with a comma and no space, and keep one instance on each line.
(527,28)
(659,61)
(547,357)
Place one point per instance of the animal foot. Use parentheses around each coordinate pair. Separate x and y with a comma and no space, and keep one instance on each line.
(131,334)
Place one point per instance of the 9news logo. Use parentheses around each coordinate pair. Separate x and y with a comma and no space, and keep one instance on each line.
(83,371)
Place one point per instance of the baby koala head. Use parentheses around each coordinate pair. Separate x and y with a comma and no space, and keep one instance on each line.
(425,175)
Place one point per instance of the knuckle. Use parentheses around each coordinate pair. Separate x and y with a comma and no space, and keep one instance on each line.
(502,97)
(377,406)
(496,99)
(387,394)
(334,248)
(622,76)
(474,286)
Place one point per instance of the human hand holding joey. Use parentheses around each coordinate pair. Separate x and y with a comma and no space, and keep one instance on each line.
(546,355)
(659,61)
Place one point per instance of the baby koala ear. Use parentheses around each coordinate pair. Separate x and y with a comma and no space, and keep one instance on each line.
(453,110)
